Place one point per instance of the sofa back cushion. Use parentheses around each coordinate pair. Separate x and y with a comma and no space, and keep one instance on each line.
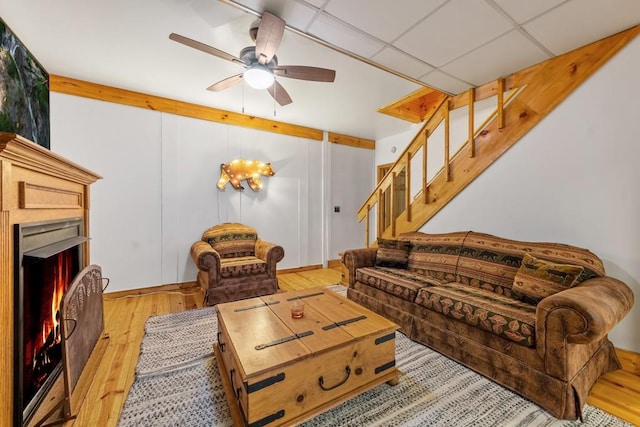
(232,240)
(434,255)
(491,262)
(392,253)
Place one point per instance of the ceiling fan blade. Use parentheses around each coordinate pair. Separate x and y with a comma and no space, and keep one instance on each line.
(223,84)
(279,94)
(305,73)
(270,32)
(205,48)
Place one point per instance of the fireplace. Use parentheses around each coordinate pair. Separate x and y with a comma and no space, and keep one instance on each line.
(37,187)
(49,255)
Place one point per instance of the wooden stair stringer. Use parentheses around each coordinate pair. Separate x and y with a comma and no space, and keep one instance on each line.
(547,85)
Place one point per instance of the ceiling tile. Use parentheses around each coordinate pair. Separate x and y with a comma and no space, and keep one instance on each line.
(382,18)
(438,79)
(332,31)
(453,30)
(296,15)
(506,54)
(580,22)
(396,60)
(522,11)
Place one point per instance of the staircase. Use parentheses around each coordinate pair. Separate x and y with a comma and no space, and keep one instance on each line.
(521,100)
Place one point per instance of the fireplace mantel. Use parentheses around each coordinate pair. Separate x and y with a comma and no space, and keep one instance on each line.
(37,185)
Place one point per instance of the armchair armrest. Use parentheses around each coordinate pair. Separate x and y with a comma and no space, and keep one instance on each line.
(270,253)
(580,315)
(356,258)
(206,259)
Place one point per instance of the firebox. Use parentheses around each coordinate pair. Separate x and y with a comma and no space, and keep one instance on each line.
(48,255)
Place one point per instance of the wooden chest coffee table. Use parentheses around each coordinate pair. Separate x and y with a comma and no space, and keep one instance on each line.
(278,370)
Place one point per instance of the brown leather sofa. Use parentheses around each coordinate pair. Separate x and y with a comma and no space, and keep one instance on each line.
(234,263)
(533,317)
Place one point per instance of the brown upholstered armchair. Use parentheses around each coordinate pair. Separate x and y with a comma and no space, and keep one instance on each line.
(235,264)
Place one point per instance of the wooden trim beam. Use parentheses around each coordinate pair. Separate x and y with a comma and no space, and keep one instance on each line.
(85,89)
(352,141)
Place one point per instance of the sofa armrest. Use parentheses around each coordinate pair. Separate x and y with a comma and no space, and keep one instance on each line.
(357,258)
(580,315)
(206,259)
(270,253)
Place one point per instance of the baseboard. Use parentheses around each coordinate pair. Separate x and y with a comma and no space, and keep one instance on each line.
(334,263)
(299,269)
(191,286)
(185,287)
(630,361)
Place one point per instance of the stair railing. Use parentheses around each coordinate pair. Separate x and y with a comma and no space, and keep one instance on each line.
(387,217)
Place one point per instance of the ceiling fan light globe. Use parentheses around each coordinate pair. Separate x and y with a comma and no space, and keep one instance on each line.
(259,77)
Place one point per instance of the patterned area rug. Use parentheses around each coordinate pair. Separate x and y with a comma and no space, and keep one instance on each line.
(177,384)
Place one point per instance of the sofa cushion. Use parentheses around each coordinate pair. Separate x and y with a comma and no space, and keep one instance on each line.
(491,262)
(538,278)
(500,315)
(401,283)
(392,253)
(242,266)
(232,239)
(434,255)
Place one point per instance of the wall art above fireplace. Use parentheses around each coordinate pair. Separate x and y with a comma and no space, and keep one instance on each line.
(24,85)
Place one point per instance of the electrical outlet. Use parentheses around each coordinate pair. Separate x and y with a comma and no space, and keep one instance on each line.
(336,209)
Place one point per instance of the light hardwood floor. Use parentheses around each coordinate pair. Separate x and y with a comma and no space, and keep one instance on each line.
(125,315)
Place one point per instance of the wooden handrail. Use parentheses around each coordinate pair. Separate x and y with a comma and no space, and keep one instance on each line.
(420,140)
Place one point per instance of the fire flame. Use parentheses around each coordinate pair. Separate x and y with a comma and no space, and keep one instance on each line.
(51,326)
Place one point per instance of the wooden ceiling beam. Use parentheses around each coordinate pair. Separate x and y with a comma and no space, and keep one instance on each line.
(100,92)
(352,141)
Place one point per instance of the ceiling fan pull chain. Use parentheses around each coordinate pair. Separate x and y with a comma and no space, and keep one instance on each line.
(243,97)
(275,88)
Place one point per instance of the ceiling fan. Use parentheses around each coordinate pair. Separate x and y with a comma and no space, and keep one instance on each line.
(260,62)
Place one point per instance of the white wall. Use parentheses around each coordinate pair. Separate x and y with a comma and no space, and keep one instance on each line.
(159,190)
(573,179)
(124,146)
(352,179)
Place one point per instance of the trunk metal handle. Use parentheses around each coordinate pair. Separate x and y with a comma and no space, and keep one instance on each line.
(321,380)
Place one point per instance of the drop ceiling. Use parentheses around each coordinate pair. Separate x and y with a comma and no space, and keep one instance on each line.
(381,50)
